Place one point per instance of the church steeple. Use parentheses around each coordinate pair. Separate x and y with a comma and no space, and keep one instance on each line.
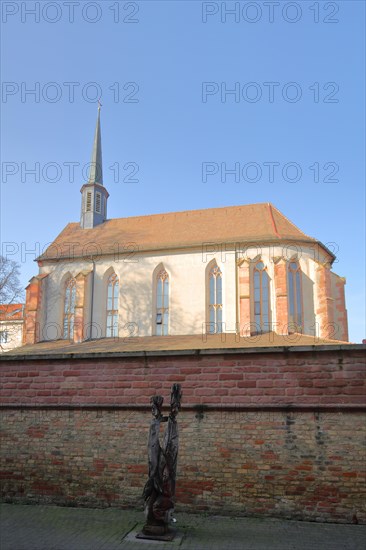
(96,165)
(94,194)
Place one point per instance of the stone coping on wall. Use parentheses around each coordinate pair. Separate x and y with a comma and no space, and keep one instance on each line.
(199,408)
(177,345)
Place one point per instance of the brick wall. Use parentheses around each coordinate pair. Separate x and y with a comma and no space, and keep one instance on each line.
(279,434)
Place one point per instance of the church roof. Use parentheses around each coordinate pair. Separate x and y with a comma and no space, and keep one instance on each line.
(191,344)
(250,223)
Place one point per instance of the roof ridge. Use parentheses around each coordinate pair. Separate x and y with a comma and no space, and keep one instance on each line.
(273,220)
(183,212)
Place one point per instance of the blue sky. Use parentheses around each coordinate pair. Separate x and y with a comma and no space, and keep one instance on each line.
(298,77)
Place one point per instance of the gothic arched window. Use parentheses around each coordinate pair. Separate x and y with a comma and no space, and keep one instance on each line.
(112,306)
(261,298)
(69,309)
(294,297)
(162,304)
(215,300)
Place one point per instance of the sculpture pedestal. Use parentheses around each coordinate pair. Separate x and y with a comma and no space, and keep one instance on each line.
(162,532)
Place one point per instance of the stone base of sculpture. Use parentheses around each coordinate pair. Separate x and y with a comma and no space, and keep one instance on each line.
(159,490)
(157,532)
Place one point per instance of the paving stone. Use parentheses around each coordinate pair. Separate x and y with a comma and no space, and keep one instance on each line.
(33,527)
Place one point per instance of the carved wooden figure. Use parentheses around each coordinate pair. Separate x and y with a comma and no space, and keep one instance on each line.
(159,490)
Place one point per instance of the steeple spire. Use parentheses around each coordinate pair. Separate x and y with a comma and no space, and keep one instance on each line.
(94,194)
(96,164)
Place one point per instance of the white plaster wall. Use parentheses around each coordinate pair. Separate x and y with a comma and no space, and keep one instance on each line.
(15,334)
(187,304)
(187,278)
(87,306)
(308,291)
(54,297)
(313,266)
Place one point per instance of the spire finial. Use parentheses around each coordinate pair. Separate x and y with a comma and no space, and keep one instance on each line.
(96,167)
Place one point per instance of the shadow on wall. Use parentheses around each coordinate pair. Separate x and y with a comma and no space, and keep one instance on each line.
(137,311)
(52,327)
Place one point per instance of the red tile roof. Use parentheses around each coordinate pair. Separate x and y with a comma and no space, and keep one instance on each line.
(11,312)
(156,344)
(236,224)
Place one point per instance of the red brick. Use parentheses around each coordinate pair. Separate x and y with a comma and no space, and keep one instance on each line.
(355,390)
(220,392)
(204,391)
(265,384)
(247,384)
(230,377)
(67,373)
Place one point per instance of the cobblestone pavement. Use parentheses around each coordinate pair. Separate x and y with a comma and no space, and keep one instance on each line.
(35,527)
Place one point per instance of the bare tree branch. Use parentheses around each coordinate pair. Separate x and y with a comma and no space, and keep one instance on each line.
(11,290)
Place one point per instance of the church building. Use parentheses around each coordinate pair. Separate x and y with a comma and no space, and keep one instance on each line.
(245,270)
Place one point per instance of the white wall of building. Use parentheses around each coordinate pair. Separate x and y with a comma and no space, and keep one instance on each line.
(187,277)
(12,332)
